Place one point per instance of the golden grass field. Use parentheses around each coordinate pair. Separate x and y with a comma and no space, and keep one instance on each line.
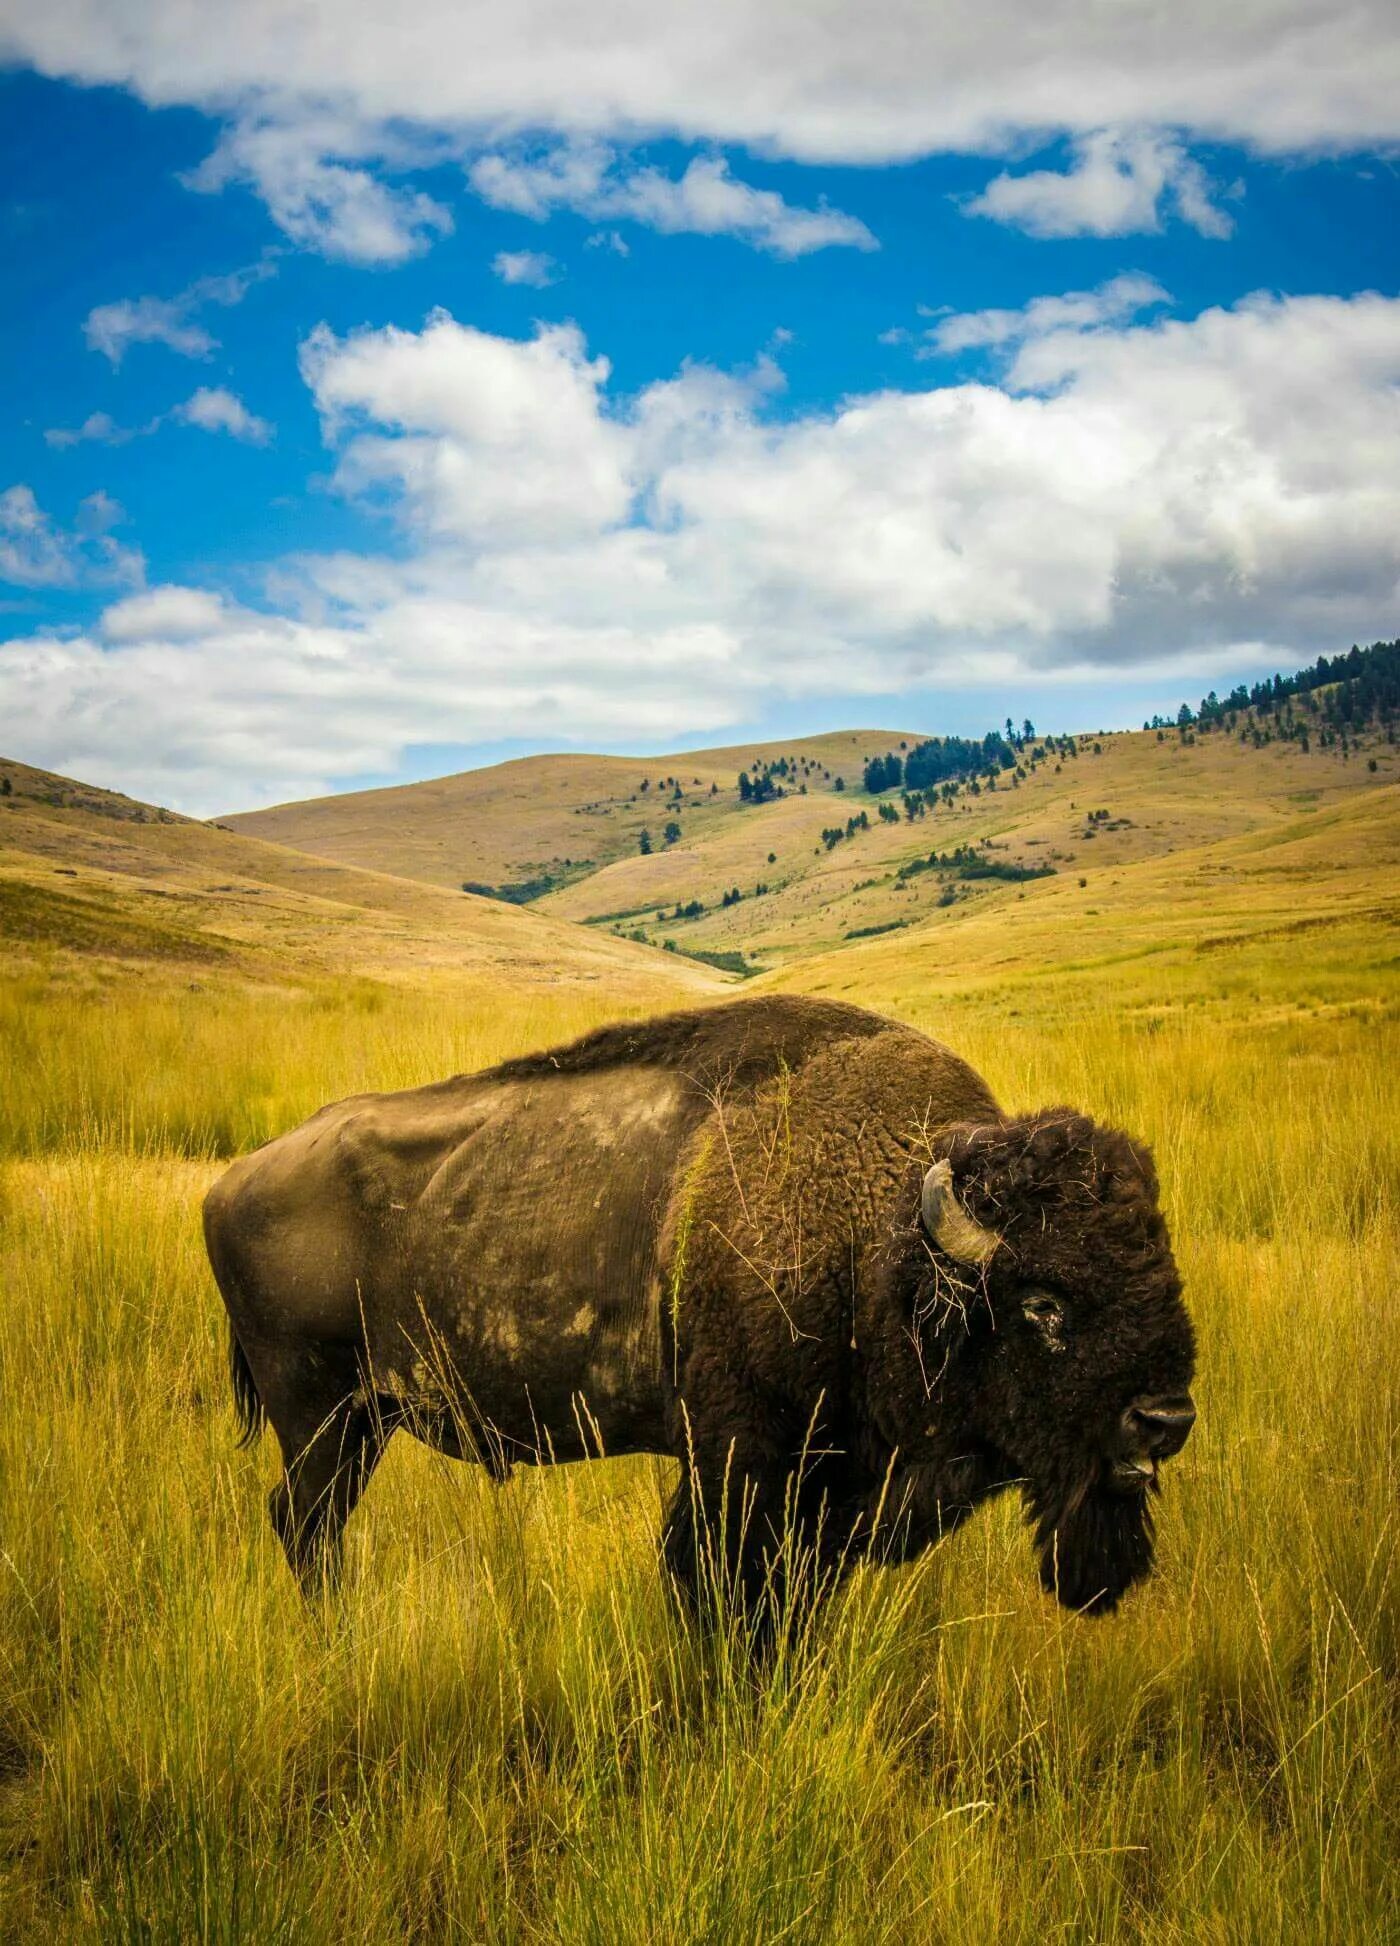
(497,1731)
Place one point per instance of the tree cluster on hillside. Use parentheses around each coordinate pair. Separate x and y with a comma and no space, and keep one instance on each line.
(1357,689)
(834,833)
(938,769)
(966,862)
(938,760)
(883,773)
(761,788)
(773,777)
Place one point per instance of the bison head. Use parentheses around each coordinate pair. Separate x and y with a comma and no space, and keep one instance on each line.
(1048,1276)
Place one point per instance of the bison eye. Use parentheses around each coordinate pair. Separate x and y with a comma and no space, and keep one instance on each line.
(1046,1313)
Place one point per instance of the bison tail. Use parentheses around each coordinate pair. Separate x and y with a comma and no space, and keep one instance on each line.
(247,1400)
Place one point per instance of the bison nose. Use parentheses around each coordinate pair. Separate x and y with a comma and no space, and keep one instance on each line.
(1158,1427)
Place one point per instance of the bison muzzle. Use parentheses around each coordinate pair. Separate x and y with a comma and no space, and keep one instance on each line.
(792,1244)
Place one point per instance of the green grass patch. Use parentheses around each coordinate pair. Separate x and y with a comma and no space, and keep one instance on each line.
(724,961)
(871,932)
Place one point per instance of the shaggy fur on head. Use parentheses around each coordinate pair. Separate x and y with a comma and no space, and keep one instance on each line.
(1074,1206)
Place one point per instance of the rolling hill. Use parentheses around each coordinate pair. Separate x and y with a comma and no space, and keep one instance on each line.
(557,816)
(672,851)
(1299,915)
(94,882)
(746,859)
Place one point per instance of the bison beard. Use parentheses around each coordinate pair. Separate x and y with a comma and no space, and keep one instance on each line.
(1093,1546)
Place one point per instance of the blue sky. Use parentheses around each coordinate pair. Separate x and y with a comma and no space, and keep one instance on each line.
(347,442)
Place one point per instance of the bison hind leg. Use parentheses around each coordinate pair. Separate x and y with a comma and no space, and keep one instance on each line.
(318,1493)
(330,1447)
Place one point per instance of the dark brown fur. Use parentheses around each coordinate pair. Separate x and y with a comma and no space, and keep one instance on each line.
(700,1235)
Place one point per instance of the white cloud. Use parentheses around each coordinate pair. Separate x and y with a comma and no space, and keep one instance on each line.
(567,177)
(35,553)
(329,108)
(707,200)
(215,409)
(170,321)
(1117,186)
(235,706)
(903,79)
(111,328)
(488,440)
(98,426)
(307,168)
(168,614)
(1130,495)
(530,267)
(31,554)
(1112,303)
(612,240)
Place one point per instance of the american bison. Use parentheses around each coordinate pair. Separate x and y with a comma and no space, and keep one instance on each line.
(794,1245)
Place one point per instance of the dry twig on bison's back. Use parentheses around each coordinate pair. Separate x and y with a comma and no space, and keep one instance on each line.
(715,1096)
(766,1278)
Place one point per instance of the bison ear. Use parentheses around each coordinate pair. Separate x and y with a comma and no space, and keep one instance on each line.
(948,1224)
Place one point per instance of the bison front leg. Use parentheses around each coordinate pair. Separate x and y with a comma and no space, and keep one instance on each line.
(722,1542)
(754,1543)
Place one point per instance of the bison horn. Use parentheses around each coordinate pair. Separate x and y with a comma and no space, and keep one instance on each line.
(949,1224)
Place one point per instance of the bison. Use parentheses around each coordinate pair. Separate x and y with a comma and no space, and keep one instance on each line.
(792,1244)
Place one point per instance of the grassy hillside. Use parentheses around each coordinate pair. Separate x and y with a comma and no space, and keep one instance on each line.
(762,883)
(1151,799)
(91,881)
(1231,919)
(546,817)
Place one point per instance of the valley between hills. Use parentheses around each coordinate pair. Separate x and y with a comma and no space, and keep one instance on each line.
(665,876)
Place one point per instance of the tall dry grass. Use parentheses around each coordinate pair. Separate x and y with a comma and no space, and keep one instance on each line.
(216,1069)
(497,1730)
